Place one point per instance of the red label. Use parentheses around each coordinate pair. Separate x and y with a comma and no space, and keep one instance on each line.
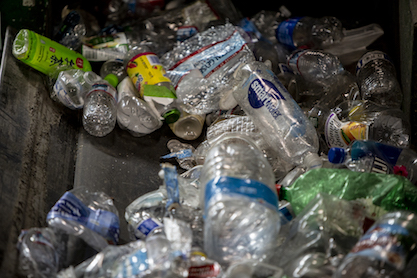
(204,271)
(79,62)
(52,49)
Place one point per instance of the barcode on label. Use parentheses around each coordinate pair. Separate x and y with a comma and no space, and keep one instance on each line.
(153,60)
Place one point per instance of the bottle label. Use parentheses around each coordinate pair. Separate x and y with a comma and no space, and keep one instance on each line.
(103,54)
(146,69)
(146,226)
(46,56)
(204,271)
(387,242)
(185,32)
(253,190)
(285,30)
(103,222)
(371,56)
(293,61)
(341,134)
(64,98)
(109,41)
(103,88)
(208,59)
(263,93)
(133,265)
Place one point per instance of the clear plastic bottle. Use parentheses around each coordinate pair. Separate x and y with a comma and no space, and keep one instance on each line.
(99,112)
(240,201)
(188,126)
(71,87)
(385,249)
(315,65)
(113,71)
(308,32)
(371,156)
(275,113)
(149,77)
(377,79)
(134,114)
(252,269)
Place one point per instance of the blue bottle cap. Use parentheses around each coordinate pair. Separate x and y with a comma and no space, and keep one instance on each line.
(336,155)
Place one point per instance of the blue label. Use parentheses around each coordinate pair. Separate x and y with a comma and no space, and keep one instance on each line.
(180,154)
(263,92)
(103,222)
(255,191)
(135,264)
(249,27)
(147,226)
(171,183)
(185,32)
(285,30)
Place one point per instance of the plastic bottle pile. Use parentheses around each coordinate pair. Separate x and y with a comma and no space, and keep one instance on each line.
(305,169)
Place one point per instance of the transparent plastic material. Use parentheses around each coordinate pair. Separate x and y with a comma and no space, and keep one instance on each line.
(252,269)
(201,68)
(113,68)
(308,32)
(100,112)
(237,223)
(91,216)
(38,253)
(188,126)
(377,79)
(371,156)
(133,113)
(385,249)
(275,113)
(72,85)
(319,237)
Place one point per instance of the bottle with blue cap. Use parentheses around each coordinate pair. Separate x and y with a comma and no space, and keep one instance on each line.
(374,157)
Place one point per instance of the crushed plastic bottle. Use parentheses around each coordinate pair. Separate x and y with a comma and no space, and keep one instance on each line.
(113,71)
(240,202)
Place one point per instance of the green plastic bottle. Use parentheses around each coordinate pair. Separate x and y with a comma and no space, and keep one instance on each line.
(46,55)
(390,192)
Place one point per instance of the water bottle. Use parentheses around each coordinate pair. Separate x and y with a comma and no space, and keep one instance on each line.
(99,112)
(188,126)
(72,85)
(252,269)
(375,157)
(38,253)
(240,201)
(113,71)
(315,66)
(275,113)
(385,249)
(364,120)
(148,76)
(377,79)
(46,55)
(133,113)
(308,32)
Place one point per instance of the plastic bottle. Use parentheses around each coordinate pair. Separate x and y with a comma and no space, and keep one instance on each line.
(184,153)
(377,79)
(315,65)
(113,71)
(252,269)
(134,114)
(385,249)
(38,253)
(240,201)
(72,85)
(364,120)
(308,32)
(275,113)
(46,55)
(100,112)
(188,126)
(148,76)
(371,156)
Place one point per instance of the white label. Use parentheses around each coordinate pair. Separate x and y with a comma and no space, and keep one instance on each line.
(104,54)
(341,134)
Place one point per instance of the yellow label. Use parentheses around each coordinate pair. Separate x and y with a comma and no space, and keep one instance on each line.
(145,68)
(354,131)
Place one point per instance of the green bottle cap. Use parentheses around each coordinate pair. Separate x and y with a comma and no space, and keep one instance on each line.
(172,116)
(112,79)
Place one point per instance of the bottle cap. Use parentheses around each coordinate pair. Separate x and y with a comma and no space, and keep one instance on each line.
(112,79)
(172,116)
(336,155)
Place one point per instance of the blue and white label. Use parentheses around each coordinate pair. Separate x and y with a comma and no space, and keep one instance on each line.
(207,59)
(103,222)
(171,184)
(371,56)
(254,191)
(180,154)
(133,265)
(185,32)
(293,61)
(263,93)
(146,226)
(284,32)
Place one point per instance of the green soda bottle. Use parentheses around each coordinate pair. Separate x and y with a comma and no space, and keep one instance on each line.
(46,55)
